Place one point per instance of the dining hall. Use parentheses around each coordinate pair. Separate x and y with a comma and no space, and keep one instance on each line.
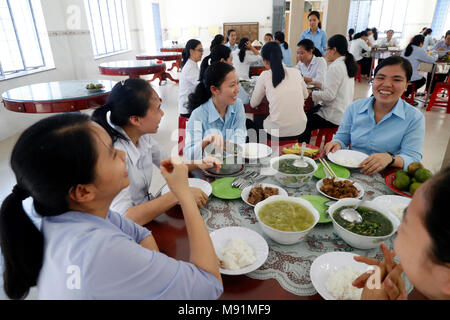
(208,150)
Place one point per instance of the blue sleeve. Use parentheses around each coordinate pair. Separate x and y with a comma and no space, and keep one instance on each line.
(412,142)
(130,228)
(302,36)
(425,57)
(343,135)
(324,43)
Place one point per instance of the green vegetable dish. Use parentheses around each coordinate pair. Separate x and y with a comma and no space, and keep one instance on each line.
(374,224)
(286,216)
(287,166)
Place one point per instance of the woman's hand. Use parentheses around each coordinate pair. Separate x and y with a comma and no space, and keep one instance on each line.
(215,139)
(332,147)
(210,162)
(375,163)
(200,197)
(307,80)
(176,174)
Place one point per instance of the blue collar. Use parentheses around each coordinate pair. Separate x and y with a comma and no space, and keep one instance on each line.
(213,115)
(398,110)
(317,31)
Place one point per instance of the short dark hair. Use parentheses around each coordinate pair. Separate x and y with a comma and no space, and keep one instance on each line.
(447,33)
(396,60)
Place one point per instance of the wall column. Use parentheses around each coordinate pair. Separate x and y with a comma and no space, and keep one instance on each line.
(336,17)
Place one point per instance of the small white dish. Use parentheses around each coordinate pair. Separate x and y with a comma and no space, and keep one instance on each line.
(395,204)
(347,158)
(255,151)
(319,184)
(221,237)
(246,192)
(196,183)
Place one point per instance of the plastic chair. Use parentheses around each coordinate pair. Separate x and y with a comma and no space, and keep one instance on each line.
(321,133)
(181,133)
(412,95)
(440,101)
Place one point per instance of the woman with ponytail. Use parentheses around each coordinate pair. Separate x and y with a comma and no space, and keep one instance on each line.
(337,90)
(131,115)
(217,114)
(244,57)
(315,32)
(310,62)
(192,54)
(360,49)
(218,40)
(286,92)
(83,250)
(286,52)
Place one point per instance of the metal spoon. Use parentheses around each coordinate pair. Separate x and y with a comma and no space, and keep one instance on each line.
(351,215)
(300,163)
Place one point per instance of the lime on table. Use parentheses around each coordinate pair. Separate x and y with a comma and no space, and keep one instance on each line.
(222,189)
(340,171)
(318,203)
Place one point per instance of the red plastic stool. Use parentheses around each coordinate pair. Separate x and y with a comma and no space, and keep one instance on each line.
(181,133)
(412,95)
(321,133)
(444,100)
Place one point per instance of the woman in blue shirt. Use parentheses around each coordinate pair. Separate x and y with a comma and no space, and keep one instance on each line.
(217,114)
(384,126)
(82,249)
(287,57)
(315,32)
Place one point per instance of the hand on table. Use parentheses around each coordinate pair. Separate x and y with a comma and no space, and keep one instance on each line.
(200,197)
(375,163)
(210,162)
(332,147)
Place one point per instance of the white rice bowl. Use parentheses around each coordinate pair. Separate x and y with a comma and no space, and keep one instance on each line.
(339,284)
(237,255)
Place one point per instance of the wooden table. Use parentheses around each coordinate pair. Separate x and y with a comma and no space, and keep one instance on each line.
(163,56)
(257,69)
(57,96)
(132,68)
(172,49)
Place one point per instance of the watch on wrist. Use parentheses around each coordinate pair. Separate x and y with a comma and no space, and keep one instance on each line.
(393,159)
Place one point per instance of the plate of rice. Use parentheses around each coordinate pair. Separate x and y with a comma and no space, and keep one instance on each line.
(239,250)
(347,158)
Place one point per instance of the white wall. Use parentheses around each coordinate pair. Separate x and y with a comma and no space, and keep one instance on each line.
(420,14)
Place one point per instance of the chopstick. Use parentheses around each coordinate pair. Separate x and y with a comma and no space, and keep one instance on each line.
(327,167)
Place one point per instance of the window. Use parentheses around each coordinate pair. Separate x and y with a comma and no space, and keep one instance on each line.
(108,26)
(23,37)
(441,20)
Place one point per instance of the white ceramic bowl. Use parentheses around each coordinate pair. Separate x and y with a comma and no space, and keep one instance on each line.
(293,180)
(357,240)
(286,237)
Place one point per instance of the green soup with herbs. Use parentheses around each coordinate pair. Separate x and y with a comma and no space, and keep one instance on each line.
(287,166)
(374,223)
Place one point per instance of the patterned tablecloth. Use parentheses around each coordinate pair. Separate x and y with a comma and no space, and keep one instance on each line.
(290,264)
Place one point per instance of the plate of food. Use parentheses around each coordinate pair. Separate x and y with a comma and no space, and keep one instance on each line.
(251,195)
(205,186)
(347,158)
(256,151)
(94,87)
(339,188)
(395,204)
(239,250)
(311,151)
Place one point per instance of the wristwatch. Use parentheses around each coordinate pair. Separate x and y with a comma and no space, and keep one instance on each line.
(393,159)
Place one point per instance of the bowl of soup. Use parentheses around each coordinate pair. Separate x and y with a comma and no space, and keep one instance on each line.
(378,223)
(286,220)
(290,175)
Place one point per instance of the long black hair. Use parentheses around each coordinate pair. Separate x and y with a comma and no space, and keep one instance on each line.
(351,31)
(339,42)
(271,52)
(375,33)
(218,39)
(242,48)
(416,41)
(127,98)
(308,45)
(185,55)
(214,76)
(317,14)
(280,37)
(217,53)
(396,60)
(51,157)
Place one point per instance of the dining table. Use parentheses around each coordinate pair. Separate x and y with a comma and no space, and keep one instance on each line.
(57,96)
(285,274)
(163,56)
(176,48)
(441,66)
(132,68)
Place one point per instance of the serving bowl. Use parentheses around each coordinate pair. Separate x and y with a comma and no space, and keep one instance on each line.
(357,240)
(231,158)
(286,237)
(292,180)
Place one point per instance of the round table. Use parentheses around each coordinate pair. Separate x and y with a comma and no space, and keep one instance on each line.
(163,56)
(131,68)
(57,96)
(172,49)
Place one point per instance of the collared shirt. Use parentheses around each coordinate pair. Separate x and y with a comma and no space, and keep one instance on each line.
(319,38)
(428,42)
(417,56)
(286,117)
(356,48)
(243,68)
(441,44)
(392,43)
(235,47)
(401,132)
(337,92)
(287,56)
(187,83)
(88,257)
(140,160)
(206,120)
(316,69)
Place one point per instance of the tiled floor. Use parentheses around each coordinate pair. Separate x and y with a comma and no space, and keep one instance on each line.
(435,147)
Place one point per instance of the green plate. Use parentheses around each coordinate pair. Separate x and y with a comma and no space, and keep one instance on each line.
(318,202)
(340,171)
(222,189)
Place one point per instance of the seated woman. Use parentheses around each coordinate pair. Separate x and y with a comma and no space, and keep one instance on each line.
(311,64)
(337,89)
(131,114)
(244,57)
(415,54)
(217,114)
(287,57)
(222,54)
(443,45)
(286,92)
(231,38)
(358,48)
(422,246)
(384,126)
(188,80)
(389,41)
(106,255)
(218,40)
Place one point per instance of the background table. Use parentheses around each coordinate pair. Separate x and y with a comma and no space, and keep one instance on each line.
(172,49)
(131,68)
(57,96)
(163,56)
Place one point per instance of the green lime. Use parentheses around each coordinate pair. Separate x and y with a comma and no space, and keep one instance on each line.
(413,167)
(399,173)
(414,187)
(422,175)
(402,182)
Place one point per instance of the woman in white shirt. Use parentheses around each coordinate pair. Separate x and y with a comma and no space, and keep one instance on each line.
(244,57)
(131,114)
(310,62)
(191,55)
(337,90)
(286,92)
(389,41)
(428,42)
(359,43)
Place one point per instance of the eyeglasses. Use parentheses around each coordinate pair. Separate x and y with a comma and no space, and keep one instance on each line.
(200,50)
